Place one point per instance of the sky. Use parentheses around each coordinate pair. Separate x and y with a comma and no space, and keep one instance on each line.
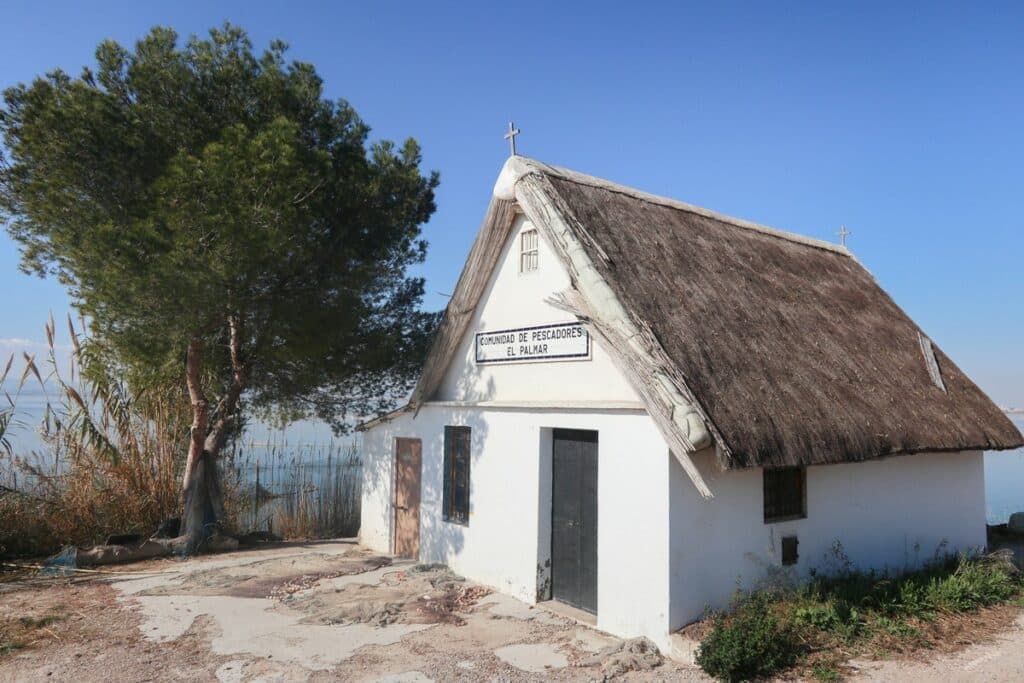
(901,121)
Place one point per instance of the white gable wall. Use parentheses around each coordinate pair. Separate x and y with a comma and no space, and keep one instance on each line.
(514,299)
(512,411)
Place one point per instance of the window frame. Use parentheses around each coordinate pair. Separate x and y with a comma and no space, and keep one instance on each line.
(529,254)
(790,551)
(454,436)
(772,490)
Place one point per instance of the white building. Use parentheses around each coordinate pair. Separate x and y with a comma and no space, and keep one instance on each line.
(634,405)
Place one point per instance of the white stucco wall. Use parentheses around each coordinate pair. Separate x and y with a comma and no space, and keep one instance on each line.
(890,514)
(664,553)
(514,299)
(507,541)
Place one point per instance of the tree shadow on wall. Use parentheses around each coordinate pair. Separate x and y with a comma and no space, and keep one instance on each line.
(440,540)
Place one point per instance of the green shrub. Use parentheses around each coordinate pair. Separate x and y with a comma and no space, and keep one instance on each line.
(749,643)
(769,632)
(953,585)
(838,618)
(913,599)
(909,635)
(974,584)
(816,616)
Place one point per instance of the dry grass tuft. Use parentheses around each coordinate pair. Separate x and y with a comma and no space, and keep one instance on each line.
(17,633)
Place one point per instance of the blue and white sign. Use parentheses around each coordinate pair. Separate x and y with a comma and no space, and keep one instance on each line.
(559,341)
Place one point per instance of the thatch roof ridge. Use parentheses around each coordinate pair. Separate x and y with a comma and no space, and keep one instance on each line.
(795,356)
(593,181)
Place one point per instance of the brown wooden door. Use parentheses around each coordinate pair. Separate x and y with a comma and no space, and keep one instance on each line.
(408,464)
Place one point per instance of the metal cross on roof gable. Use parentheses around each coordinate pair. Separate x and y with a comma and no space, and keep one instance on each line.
(511,136)
(843,234)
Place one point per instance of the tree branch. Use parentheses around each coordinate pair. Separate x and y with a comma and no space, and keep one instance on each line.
(228,404)
(200,409)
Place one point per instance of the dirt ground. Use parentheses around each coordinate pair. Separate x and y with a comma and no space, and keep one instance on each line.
(1000,658)
(304,612)
(336,612)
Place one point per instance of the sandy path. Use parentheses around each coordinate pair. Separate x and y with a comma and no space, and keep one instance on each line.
(999,660)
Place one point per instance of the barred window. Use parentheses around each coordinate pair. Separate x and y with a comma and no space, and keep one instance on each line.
(455,503)
(785,493)
(528,243)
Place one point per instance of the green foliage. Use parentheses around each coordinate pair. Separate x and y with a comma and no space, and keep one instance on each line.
(971,586)
(836,617)
(855,611)
(177,189)
(899,629)
(955,585)
(749,643)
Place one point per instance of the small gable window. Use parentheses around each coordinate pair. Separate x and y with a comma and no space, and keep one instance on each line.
(455,507)
(528,244)
(785,493)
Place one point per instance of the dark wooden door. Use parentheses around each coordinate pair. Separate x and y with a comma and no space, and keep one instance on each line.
(574,518)
(408,467)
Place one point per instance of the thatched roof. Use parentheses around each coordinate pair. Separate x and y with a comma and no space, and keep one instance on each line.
(785,347)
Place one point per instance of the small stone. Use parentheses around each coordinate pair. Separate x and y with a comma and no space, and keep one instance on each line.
(1016,524)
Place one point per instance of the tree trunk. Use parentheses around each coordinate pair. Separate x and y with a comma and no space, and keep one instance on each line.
(200,410)
(204,505)
(203,501)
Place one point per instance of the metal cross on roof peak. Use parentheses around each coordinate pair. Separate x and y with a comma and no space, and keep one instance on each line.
(843,234)
(511,136)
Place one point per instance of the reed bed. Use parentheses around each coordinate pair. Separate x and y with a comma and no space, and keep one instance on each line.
(108,461)
(308,490)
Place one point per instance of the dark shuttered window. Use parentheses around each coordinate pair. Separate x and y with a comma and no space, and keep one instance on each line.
(456,474)
(785,493)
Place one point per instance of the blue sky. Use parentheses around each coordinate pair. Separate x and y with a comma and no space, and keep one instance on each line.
(903,122)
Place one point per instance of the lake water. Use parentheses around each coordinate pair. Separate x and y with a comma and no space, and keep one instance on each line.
(1004,481)
(1004,471)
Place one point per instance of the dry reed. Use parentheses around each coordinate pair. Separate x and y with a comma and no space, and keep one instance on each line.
(306,491)
(109,462)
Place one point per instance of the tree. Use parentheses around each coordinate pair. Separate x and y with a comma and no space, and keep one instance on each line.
(218,221)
